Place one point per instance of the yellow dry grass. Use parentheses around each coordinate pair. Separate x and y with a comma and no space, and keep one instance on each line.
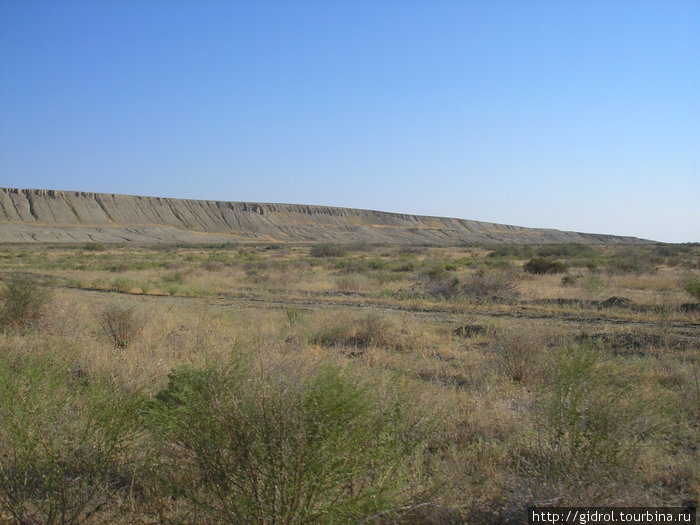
(482,368)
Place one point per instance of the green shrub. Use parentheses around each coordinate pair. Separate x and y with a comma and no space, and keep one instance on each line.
(569,280)
(590,426)
(693,288)
(117,267)
(62,433)
(436,272)
(633,260)
(360,265)
(173,278)
(94,247)
(283,448)
(212,266)
(24,301)
(404,266)
(257,275)
(121,324)
(541,266)
(328,250)
(517,251)
(383,277)
(566,250)
(593,284)
(122,285)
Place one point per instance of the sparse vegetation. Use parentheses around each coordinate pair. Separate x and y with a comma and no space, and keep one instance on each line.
(272,386)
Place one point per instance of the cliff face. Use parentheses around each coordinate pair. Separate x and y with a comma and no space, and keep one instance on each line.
(62,216)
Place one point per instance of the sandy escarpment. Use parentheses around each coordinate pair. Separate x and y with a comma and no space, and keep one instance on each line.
(71,216)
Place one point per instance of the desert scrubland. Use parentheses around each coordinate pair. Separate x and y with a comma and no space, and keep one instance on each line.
(328,383)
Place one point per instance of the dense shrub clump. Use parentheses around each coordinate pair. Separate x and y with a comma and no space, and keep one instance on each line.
(61,433)
(328,250)
(516,251)
(566,250)
(539,265)
(94,247)
(23,302)
(693,288)
(490,285)
(121,323)
(292,449)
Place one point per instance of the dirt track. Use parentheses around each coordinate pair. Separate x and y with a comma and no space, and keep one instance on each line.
(687,331)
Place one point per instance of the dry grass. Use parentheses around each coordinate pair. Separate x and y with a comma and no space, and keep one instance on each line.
(121,323)
(483,371)
(652,283)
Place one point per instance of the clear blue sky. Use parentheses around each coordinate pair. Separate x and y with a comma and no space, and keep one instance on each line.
(576,115)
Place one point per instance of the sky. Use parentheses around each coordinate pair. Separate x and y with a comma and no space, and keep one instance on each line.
(575,115)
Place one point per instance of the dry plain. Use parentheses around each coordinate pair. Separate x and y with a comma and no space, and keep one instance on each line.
(293,383)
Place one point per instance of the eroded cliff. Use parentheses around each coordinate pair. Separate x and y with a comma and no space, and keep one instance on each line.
(69,217)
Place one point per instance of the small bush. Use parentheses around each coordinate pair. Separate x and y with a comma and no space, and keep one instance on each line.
(569,280)
(490,285)
(593,284)
(518,354)
(213,266)
(446,287)
(173,278)
(116,267)
(94,247)
(294,315)
(257,275)
(121,324)
(349,284)
(403,266)
(359,333)
(24,302)
(122,285)
(542,266)
(693,288)
(328,250)
(383,277)
(437,272)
